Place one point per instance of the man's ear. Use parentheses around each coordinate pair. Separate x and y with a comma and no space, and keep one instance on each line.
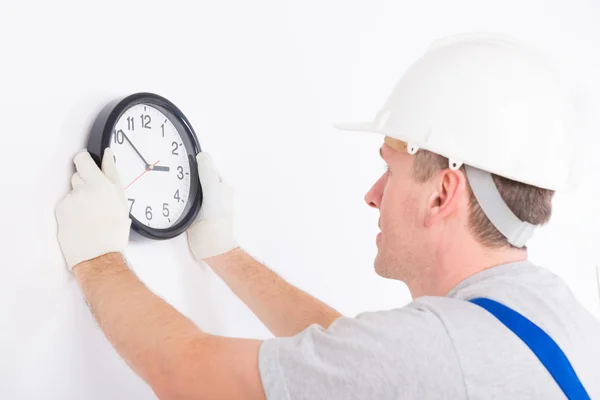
(448,189)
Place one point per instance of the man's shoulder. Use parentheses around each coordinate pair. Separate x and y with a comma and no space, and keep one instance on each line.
(421,320)
(397,353)
(429,309)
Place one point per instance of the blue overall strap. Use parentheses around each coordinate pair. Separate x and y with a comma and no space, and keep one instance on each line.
(546,349)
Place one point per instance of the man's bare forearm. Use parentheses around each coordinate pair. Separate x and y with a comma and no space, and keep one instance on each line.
(160,344)
(282,307)
(146,331)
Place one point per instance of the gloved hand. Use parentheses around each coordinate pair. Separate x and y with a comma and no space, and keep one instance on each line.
(212,233)
(93,219)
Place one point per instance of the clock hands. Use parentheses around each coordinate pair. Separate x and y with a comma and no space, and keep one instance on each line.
(146,165)
(142,174)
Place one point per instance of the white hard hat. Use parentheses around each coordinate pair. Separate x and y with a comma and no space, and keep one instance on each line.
(492,103)
(488,101)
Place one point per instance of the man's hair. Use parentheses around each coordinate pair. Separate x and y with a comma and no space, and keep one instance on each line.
(528,203)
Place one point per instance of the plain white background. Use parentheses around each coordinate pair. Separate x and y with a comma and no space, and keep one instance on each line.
(262,82)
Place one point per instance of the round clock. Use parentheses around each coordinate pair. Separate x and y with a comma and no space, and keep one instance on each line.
(155,149)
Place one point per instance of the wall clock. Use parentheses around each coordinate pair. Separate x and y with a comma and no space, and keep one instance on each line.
(155,148)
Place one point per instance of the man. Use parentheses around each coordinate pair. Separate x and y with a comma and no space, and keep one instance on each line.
(476,139)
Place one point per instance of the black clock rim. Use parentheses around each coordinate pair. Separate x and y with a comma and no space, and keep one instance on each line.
(99,140)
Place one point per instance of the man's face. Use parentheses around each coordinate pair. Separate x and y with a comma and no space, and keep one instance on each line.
(399,199)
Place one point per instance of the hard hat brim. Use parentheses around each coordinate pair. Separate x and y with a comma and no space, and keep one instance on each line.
(358,127)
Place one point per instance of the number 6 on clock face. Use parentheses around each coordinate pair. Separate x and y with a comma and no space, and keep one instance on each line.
(155,149)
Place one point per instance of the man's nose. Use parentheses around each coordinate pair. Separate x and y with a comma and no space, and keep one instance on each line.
(373,196)
(370,199)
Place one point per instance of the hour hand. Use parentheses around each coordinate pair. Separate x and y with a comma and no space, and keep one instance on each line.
(160,168)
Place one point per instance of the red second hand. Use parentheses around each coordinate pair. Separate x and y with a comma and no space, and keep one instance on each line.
(141,175)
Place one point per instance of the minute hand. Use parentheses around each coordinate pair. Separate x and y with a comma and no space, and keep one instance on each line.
(146,165)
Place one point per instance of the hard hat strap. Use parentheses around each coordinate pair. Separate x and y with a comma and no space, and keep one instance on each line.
(500,215)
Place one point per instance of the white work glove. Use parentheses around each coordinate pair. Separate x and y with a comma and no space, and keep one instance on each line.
(93,219)
(212,233)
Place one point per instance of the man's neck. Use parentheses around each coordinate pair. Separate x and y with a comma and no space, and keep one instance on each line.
(451,270)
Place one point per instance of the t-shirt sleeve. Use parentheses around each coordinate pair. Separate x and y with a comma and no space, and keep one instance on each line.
(397,354)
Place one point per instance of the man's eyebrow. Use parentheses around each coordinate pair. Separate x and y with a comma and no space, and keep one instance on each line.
(381,152)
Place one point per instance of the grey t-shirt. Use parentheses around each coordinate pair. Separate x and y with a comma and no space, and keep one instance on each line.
(440,347)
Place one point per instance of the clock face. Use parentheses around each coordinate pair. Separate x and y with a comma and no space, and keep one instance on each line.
(155,151)
(153,163)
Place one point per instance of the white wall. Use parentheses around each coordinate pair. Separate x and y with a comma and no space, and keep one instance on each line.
(261,82)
